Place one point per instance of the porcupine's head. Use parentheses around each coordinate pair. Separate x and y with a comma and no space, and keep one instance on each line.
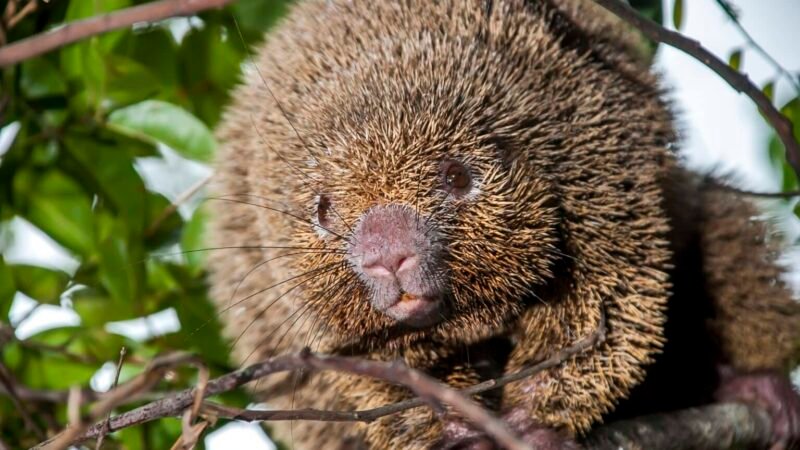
(420,151)
(415,174)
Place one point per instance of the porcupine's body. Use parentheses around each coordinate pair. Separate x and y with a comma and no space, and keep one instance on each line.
(572,207)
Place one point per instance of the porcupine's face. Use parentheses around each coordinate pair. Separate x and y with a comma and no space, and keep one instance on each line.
(434,227)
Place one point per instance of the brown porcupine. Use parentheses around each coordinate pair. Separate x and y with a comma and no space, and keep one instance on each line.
(469,186)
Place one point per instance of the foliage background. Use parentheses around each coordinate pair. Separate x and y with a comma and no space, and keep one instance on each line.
(95,129)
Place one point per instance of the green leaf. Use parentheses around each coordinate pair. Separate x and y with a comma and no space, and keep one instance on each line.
(254,17)
(128,81)
(40,78)
(95,308)
(8,289)
(677,14)
(84,63)
(39,283)
(778,157)
(110,168)
(792,111)
(46,372)
(89,8)
(769,90)
(155,49)
(116,272)
(167,123)
(735,59)
(210,64)
(193,239)
(60,208)
(162,227)
(200,327)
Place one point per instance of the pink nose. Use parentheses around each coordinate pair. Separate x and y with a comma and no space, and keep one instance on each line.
(387,265)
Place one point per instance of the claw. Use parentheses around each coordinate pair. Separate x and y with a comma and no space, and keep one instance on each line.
(773,392)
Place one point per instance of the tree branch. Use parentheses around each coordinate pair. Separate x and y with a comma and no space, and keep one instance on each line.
(74,31)
(718,426)
(729,11)
(740,82)
(172,406)
(727,426)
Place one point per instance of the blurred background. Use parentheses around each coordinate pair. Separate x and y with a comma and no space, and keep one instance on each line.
(99,139)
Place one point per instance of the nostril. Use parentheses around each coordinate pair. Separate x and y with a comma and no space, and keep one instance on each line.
(407,263)
(376,269)
(388,265)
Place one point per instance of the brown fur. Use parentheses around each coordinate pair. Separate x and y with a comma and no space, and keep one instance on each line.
(578,209)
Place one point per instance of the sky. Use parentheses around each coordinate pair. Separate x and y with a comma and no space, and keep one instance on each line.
(720,130)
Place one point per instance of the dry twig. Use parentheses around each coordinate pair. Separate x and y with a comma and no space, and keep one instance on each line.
(29,7)
(174,405)
(80,29)
(191,431)
(10,386)
(173,207)
(142,383)
(729,11)
(104,431)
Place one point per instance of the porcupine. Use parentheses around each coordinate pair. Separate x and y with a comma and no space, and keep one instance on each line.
(470,186)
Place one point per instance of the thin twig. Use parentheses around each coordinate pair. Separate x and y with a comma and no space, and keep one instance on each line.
(191,431)
(726,7)
(171,406)
(740,82)
(748,193)
(10,385)
(80,29)
(104,431)
(179,200)
(7,334)
(27,9)
(74,403)
(425,387)
(143,382)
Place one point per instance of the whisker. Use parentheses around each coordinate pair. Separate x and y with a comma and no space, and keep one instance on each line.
(304,309)
(283,112)
(436,210)
(269,208)
(243,247)
(228,308)
(256,267)
(314,272)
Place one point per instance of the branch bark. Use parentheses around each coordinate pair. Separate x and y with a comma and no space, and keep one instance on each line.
(737,80)
(74,31)
(718,426)
(173,405)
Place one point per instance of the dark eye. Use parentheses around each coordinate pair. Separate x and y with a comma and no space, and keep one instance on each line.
(323,211)
(456,177)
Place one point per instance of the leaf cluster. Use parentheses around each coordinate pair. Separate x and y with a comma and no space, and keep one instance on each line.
(87,124)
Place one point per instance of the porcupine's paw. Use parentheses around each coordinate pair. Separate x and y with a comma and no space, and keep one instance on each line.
(460,436)
(537,435)
(773,392)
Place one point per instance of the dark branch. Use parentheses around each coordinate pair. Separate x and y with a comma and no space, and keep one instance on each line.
(720,426)
(174,405)
(740,82)
(72,32)
(728,10)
